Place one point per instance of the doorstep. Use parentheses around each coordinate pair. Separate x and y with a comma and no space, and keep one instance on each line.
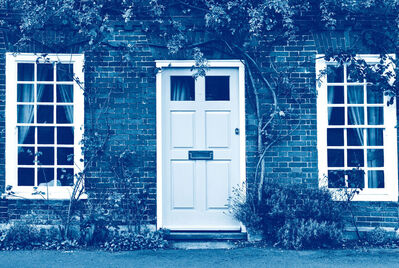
(205,240)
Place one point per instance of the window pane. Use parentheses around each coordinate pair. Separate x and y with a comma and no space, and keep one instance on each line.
(25,71)
(44,114)
(355,116)
(65,135)
(374,95)
(336,179)
(217,88)
(26,155)
(355,178)
(45,155)
(182,88)
(355,94)
(45,135)
(26,176)
(25,93)
(45,93)
(45,176)
(64,114)
(376,179)
(355,158)
(64,72)
(335,74)
(375,115)
(26,135)
(64,93)
(65,176)
(335,137)
(45,72)
(25,114)
(335,158)
(375,137)
(375,158)
(65,156)
(355,136)
(336,116)
(335,94)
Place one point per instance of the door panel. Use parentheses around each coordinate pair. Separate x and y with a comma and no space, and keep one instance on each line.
(183,180)
(217,184)
(217,124)
(183,128)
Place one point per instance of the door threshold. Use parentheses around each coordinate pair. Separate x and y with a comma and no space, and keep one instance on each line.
(206,235)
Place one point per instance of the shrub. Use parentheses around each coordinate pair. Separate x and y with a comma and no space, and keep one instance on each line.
(291,215)
(379,237)
(24,236)
(309,234)
(20,236)
(125,241)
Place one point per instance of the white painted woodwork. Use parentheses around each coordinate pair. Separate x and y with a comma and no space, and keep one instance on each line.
(195,193)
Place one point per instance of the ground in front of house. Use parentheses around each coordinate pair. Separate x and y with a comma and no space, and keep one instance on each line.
(241,257)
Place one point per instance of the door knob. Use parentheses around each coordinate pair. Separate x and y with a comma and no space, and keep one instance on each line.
(237,131)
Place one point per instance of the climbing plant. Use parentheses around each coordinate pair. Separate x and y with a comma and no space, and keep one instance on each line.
(240,29)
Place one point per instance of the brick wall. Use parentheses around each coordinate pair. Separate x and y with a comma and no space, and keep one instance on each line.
(130,113)
(132,119)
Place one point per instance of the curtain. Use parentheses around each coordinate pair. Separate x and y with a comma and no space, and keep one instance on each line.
(179,91)
(50,183)
(182,88)
(355,113)
(375,115)
(376,179)
(67,96)
(25,112)
(330,100)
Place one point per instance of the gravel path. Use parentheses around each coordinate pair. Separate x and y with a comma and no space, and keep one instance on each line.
(242,257)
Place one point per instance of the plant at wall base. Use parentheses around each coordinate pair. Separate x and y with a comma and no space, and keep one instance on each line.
(347,193)
(309,234)
(244,207)
(292,216)
(22,236)
(127,241)
(132,204)
(95,224)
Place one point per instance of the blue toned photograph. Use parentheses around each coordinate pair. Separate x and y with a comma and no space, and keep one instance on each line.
(199,133)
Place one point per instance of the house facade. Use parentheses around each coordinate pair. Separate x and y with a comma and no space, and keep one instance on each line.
(194,139)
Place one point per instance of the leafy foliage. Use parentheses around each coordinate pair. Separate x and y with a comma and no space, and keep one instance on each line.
(381,75)
(22,236)
(291,215)
(309,234)
(125,241)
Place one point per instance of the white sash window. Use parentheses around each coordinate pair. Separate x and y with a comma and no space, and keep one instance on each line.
(357,146)
(44,123)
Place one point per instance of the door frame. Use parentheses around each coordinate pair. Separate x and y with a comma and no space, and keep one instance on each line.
(241,106)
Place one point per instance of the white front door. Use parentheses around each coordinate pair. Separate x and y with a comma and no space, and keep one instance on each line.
(200,147)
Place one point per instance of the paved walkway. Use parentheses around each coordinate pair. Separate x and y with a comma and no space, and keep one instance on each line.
(243,258)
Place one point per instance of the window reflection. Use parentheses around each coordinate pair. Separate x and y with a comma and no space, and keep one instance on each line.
(217,88)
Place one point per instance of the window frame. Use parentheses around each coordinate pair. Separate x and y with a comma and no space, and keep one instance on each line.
(11,134)
(390,191)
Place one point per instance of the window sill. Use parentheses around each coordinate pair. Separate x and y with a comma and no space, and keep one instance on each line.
(57,194)
(367,196)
